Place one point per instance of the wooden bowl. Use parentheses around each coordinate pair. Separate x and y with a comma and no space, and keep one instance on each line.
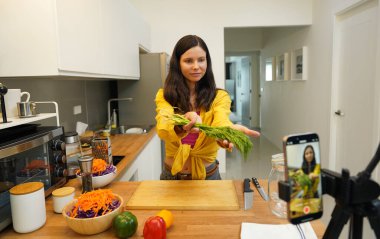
(90,226)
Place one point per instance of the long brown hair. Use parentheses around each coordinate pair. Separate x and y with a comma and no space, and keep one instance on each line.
(176,91)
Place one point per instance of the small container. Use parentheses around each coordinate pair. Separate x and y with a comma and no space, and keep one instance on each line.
(28,206)
(61,197)
(121,129)
(26,109)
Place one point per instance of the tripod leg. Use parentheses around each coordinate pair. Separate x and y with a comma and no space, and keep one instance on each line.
(375,224)
(339,217)
(356,227)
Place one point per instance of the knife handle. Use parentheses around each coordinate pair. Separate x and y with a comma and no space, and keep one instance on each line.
(260,189)
(256,183)
(247,187)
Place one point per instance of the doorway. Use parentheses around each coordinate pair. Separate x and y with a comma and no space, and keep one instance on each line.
(240,83)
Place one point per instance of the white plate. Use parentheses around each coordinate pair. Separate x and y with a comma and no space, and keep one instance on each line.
(134,131)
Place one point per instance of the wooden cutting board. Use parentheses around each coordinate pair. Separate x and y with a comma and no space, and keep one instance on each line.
(185,195)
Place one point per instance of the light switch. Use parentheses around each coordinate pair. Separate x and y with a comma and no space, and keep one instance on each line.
(77,109)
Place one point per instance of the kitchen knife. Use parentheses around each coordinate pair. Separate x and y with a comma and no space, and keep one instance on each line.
(260,189)
(248,194)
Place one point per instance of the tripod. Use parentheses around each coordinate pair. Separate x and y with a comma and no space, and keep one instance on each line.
(355,198)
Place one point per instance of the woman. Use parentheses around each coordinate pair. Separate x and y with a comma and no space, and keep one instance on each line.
(190,90)
(312,169)
(309,164)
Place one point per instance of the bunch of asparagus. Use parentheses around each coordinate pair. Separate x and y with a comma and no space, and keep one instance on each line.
(238,138)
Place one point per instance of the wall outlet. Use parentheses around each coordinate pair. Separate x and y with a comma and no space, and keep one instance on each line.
(77,109)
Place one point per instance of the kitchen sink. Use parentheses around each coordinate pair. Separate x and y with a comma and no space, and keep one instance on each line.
(134,129)
(116,159)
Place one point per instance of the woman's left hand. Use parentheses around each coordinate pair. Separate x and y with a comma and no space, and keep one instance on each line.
(228,145)
(246,131)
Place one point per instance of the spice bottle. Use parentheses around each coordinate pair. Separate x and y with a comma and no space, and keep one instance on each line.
(114,119)
(277,173)
(28,206)
(85,164)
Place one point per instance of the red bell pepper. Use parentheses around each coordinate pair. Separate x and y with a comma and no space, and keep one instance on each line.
(154,228)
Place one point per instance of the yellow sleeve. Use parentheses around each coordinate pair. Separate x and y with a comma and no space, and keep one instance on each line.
(165,129)
(317,169)
(221,107)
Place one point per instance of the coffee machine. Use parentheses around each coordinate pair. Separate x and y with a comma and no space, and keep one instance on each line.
(3,91)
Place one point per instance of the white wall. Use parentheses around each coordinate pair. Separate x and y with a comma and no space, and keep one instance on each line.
(243,39)
(172,19)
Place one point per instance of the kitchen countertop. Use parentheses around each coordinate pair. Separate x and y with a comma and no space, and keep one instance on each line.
(187,224)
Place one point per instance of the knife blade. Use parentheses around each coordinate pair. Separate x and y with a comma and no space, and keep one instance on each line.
(260,189)
(248,194)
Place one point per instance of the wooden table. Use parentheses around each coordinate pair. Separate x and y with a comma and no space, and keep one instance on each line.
(187,224)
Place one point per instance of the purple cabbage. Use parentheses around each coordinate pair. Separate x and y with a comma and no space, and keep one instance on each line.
(90,213)
(109,169)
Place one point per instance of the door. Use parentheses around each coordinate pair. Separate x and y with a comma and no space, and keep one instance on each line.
(245,93)
(354,94)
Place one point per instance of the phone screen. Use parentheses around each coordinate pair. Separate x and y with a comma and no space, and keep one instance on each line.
(302,157)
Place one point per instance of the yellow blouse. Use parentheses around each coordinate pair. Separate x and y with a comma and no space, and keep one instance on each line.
(205,148)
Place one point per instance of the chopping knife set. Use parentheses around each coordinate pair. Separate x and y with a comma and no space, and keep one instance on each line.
(248,192)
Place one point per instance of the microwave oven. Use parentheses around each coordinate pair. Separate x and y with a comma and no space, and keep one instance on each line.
(30,153)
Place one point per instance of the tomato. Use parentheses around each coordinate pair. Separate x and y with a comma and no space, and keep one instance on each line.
(154,228)
(125,224)
(167,216)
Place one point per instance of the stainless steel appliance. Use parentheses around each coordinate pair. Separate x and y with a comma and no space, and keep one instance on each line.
(29,153)
(142,110)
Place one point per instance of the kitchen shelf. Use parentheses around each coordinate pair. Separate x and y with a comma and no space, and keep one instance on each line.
(19,121)
(15,121)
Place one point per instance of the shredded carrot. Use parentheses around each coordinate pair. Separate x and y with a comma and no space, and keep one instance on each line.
(96,201)
(98,166)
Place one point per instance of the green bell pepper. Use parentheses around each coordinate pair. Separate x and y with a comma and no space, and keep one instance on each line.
(125,225)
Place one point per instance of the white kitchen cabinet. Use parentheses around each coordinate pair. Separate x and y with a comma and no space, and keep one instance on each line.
(120,39)
(27,38)
(143,30)
(79,32)
(147,165)
(91,38)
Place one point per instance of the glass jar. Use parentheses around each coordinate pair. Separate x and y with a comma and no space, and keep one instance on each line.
(277,173)
(73,152)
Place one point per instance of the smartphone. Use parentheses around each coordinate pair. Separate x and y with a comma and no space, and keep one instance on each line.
(303,172)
